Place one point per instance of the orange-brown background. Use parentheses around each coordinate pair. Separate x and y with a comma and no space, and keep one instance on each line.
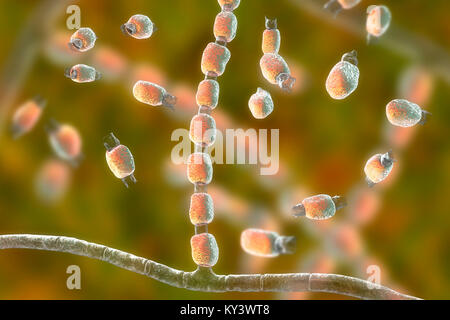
(323,147)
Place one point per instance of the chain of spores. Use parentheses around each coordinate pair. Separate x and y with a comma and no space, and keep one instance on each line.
(200,187)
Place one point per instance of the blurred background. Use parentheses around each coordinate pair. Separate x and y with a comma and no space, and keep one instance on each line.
(402,225)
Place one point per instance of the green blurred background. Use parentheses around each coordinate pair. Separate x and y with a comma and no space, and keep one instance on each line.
(323,146)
